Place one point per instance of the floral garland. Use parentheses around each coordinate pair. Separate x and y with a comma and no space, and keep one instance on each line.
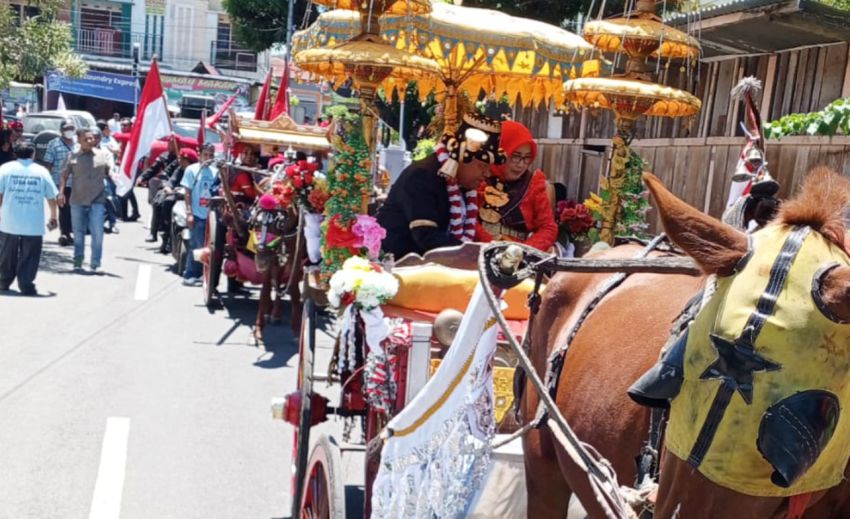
(349,184)
(634,202)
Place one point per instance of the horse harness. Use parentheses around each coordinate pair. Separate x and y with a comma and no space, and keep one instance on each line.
(648,457)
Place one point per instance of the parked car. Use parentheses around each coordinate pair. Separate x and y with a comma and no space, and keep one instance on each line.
(189,128)
(192,106)
(51,120)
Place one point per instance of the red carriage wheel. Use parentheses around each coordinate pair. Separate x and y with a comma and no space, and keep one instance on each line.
(214,243)
(323,496)
(301,448)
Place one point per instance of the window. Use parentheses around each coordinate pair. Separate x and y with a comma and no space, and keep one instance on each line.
(23,12)
(229,54)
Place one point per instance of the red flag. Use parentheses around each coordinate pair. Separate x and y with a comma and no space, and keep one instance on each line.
(212,121)
(1,112)
(202,129)
(261,112)
(152,123)
(281,102)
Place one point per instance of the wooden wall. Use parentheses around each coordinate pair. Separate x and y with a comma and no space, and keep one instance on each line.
(698,170)
(794,81)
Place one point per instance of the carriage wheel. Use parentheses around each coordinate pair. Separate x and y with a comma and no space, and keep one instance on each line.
(214,242)
(323,496)
(301,448)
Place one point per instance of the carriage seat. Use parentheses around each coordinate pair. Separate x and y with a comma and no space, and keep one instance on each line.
(434,287)
(464,257)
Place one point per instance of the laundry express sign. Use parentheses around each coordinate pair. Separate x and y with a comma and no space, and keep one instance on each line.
(221,89)
(102,85)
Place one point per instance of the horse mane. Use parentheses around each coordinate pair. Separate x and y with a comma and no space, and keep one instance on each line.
(820,204)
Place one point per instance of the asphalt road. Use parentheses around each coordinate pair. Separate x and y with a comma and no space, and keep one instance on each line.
(121,400)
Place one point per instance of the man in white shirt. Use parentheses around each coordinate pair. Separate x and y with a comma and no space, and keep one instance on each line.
(24,186)
(115,123)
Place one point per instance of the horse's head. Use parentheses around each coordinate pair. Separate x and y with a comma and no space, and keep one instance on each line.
(766,362)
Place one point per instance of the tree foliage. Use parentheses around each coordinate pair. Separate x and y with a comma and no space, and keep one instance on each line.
(31,47)
(259,24)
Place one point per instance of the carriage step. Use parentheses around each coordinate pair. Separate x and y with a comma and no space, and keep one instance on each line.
(320,377)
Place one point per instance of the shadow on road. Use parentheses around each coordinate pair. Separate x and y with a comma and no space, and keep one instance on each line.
(280,343)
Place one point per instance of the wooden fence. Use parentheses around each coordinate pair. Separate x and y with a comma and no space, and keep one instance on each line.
(697,170)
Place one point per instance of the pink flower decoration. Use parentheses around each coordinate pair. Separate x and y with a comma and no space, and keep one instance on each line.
(369,234)
(268,202)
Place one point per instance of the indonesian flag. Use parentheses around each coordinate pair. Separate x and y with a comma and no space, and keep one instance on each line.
(212,121)
(281,101)
(261,113)
(152,123)
(202,129)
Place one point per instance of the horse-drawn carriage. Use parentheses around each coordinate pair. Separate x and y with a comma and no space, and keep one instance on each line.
(422,320)
(247,240)
(750,424)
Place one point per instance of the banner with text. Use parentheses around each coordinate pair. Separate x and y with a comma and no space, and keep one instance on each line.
(102,85)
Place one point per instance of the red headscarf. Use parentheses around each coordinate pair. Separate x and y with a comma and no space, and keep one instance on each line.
(514,135)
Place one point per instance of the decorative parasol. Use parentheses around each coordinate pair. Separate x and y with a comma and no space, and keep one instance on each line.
(476,49)
(379,6)
(640,35)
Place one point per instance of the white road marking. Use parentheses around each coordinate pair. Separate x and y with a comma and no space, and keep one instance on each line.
(143,283)
(106,501)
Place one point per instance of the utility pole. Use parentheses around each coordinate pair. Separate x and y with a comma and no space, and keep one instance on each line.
(136,76)
(289,23)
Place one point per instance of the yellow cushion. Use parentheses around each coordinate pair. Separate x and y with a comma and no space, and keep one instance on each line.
(433,288)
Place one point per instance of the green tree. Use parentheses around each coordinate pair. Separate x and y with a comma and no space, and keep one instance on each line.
(259,24)
(32,46)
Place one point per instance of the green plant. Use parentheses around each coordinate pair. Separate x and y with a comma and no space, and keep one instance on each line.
(833,119)
(424,148)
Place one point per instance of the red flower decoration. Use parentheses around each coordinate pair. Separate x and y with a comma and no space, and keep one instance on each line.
(340,236)
(577,218)
(317,199)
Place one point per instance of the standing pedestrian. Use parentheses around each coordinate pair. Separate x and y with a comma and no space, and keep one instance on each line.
(24,186)
(110,224)
(115,123)
(87,167)
(161,169)
(130,197)
(54,158)
(7,153)
(198,180)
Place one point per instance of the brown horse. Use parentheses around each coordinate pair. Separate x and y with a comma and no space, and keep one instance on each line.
(621,339)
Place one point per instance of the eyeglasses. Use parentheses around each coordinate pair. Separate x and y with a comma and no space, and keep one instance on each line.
(524,159)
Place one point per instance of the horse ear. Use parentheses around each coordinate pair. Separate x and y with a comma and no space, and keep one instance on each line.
(834,294)
(715,246)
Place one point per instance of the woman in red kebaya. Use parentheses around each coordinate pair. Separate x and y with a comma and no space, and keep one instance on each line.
(515,203)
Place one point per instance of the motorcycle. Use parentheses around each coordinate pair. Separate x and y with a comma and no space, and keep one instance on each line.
(180,233)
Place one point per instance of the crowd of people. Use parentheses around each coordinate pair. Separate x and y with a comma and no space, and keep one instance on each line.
(74,178)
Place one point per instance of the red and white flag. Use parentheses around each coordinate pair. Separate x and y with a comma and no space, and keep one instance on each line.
(281,101)
(212,121)
(262,111)
(202,129)
(152,123)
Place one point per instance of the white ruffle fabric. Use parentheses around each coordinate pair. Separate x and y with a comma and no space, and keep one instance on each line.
(438,447)
(313,235)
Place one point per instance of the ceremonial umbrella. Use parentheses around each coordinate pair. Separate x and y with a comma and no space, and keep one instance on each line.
(631,95)
(476,49)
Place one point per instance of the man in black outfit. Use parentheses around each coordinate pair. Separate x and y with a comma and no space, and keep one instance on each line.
(433,203)
(161,170)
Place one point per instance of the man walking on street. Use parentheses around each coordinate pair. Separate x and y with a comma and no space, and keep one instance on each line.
(54,158)
(24,186)
(88,168)
(198,180)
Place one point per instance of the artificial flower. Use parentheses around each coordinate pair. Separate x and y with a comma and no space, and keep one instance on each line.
(370,234)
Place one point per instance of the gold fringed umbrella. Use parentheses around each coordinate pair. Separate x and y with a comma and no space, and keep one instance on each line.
(476,49)
(379,6)
(368,61)
(639,36)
